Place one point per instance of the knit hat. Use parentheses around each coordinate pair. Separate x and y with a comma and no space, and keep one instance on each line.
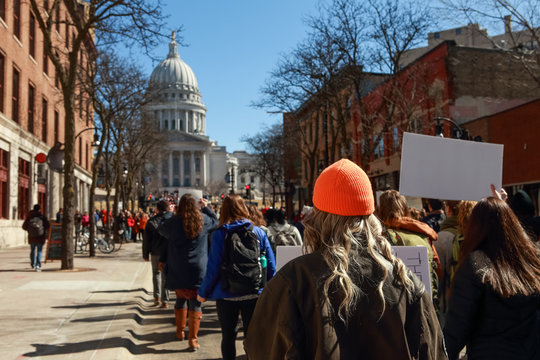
(344,189)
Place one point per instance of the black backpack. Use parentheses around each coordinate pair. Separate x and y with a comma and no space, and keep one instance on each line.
(35,227)
(241,271)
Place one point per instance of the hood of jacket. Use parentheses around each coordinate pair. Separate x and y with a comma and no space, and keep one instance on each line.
(407,223)
(449,222)
(236,224)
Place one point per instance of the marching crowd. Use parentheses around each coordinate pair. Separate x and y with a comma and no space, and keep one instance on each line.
(348,296)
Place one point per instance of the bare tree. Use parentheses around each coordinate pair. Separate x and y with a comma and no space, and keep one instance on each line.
(267,148)
(521,19)
(108,21)
(118,93)
(348,46)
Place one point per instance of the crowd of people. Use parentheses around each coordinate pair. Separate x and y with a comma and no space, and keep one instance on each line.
(348,295)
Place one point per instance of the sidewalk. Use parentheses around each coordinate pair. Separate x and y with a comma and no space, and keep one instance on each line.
(103,309)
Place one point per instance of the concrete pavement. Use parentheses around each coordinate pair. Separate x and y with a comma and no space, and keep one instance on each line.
(103,309)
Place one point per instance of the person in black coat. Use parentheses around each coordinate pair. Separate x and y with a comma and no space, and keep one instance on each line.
(496,290)
(185,260)
(153,246)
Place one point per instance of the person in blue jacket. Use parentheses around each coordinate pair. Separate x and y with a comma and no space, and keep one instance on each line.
(233,215)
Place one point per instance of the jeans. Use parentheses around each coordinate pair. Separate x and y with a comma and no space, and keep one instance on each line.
(228,317)
(35,259)
(127,233)
(158,279)
(193,304)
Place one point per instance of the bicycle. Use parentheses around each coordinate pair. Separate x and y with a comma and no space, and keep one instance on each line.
(104,244)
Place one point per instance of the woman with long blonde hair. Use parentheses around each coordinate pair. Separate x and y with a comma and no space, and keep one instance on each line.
(349,297)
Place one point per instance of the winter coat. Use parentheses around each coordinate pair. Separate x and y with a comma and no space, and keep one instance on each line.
(211,286)
(37,239)
(293,321)
(185,258)
(286,228)
(492,327)
(153,243)
(444,246)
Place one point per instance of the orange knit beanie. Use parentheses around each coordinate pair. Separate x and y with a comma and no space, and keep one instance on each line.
(344,189)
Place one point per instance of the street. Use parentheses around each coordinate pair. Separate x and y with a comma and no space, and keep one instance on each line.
(103,309)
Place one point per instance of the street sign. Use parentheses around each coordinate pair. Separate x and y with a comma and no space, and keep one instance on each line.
(41,158)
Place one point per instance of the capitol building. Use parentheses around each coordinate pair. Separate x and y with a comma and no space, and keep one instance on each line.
(193,162)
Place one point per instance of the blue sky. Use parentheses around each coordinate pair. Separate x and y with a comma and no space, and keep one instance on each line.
(232,47)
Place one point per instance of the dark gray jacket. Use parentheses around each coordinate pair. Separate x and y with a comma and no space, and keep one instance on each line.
(153,242)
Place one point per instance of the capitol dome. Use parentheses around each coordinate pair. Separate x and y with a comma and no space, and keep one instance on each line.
(173,72)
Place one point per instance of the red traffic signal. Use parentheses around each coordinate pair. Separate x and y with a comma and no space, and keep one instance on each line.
(222,196)
(247,187)
(150,197)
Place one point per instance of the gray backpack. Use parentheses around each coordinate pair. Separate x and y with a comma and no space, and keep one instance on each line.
(35,227)
(285,237)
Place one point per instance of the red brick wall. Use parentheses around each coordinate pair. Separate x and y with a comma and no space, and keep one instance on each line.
(518,129)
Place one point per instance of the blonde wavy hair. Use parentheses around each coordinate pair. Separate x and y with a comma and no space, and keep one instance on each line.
(347,242)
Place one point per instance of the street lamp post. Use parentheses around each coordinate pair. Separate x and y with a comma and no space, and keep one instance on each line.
(460,133)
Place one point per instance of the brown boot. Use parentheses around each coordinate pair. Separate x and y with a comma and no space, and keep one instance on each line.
(194,323)
(180,316)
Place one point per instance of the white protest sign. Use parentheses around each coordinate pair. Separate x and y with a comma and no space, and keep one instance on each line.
(284,254)
(416,259)
(449,169)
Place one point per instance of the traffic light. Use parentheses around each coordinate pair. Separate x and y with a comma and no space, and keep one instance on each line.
(222,196)
(150,197)
(248,191)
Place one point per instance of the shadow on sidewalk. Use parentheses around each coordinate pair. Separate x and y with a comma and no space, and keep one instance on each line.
(115,342)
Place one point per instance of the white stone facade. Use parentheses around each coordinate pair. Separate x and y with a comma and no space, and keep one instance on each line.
(192,160)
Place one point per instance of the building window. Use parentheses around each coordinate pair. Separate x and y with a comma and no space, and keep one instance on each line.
(31,107)
(56,127)
(166,124)
(458,31)
(67,33)
(32,35)
(45,59)
(4,176)
(395,139)
(80,151)
(46,5)
(24,189)
(3,9)
(15,96)
(378,152)
(173,124)
(197,165)
(87,112)
(2,78)
(87,158)
(58,17)
(437,35)
(17,18)
(44,120)
(56,77)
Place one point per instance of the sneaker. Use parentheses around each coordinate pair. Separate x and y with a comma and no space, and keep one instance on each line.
(164,305)
(38,269)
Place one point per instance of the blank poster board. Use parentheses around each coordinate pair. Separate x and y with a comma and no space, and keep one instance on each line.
(416,259)
(449,169)
(284,254)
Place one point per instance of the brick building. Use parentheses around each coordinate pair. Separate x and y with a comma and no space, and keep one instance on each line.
(451,81)
(32,119)
(518,129)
